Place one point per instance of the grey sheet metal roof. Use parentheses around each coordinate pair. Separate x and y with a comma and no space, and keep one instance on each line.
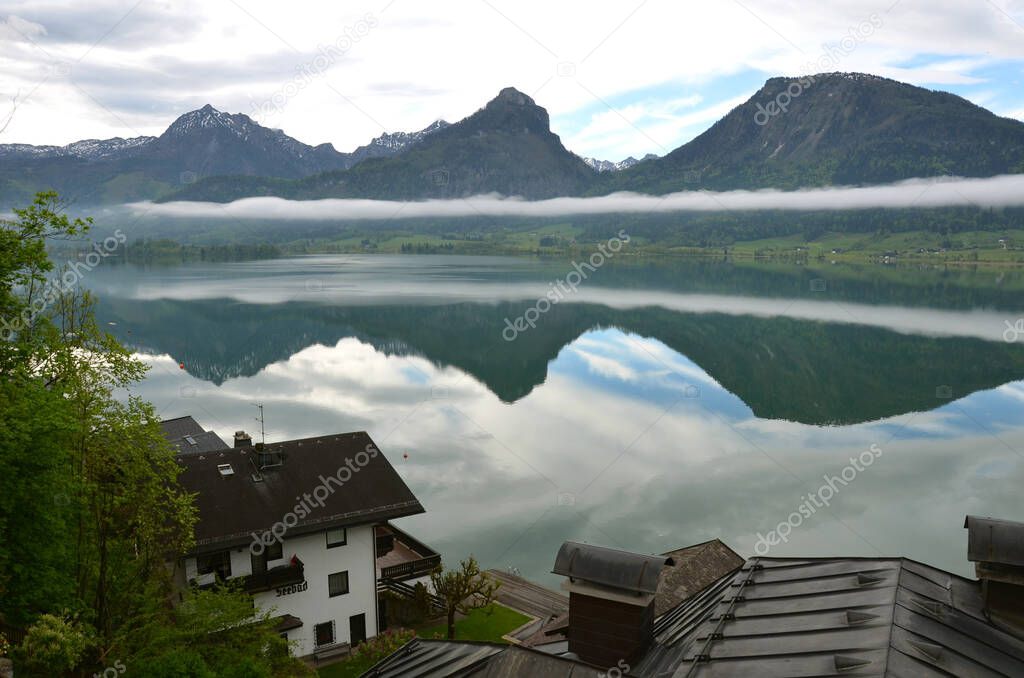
(610,567)
(783,618)
(855,616)
(519,661)
(991,540)
(420,658)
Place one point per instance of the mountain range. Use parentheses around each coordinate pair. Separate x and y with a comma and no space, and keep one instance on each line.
(827,129)
(202,143)
(610,166)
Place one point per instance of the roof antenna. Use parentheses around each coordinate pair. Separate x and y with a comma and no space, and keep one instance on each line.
(263,434)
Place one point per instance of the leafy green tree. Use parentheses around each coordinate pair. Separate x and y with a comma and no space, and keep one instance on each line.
(55,644)
(91,512)
(463,590)
(223,637)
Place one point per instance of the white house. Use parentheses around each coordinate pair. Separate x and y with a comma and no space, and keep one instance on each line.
(305,524)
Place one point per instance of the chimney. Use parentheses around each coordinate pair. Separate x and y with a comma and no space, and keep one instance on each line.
(611,601)
(996,547)
(242,439)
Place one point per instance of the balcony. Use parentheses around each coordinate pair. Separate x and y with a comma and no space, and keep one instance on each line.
(401,557)
(274,578)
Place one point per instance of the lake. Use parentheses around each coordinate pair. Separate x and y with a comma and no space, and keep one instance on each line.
(646,404)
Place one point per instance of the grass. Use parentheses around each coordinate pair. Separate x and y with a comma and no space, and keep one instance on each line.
(486,624)
(911,246)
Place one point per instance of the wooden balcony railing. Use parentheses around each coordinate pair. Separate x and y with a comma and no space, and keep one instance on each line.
(412,568)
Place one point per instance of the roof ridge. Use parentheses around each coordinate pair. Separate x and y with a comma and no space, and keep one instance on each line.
(326,436)
(693,546)
(892,620)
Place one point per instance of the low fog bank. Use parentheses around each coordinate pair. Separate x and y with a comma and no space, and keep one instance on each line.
(1000,191)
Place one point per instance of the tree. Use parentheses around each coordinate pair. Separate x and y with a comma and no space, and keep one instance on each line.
(463,590)
(211,633)
(55,644)
(91,511)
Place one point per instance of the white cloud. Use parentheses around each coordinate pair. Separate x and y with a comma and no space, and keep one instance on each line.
(647,126)
(144,65)
(16,29)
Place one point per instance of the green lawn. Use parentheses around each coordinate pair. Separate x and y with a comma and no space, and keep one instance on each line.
(487,623)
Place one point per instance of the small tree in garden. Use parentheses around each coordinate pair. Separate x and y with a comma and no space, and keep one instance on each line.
(463,590)
(54,645)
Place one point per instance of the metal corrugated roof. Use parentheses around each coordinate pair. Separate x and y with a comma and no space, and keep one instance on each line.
(855,616)
(990,540)
(781,618)
(518,661)
(420,658)
(610,567)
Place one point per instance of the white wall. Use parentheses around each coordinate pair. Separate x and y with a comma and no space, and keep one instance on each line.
(314,605)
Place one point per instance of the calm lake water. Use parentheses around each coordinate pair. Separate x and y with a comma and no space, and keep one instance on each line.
(658,405)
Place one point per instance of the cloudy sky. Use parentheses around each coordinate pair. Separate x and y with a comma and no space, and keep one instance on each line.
(619,79)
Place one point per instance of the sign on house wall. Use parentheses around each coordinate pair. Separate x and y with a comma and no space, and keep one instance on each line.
(294,588)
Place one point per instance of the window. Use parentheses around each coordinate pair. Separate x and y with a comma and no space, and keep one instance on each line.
(323,634)
(218,563)
(275,551)
(337,584)
(337,537)
(272,552)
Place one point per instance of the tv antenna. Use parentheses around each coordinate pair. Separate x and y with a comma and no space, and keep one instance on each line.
(263,434)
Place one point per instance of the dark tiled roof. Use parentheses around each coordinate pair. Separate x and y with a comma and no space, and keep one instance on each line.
(855,616)
(199,443)
(609,567)
(420,658)
(695,568)
(234,506)
(287,622)
(181,427)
